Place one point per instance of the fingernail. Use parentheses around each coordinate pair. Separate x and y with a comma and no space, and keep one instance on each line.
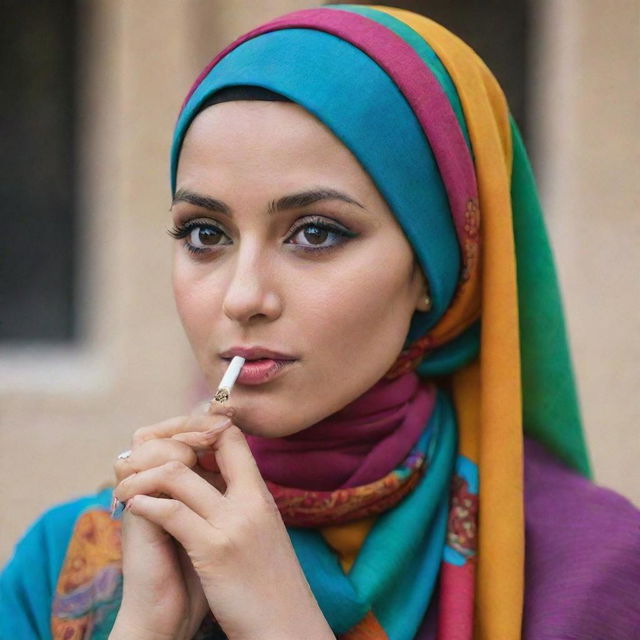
(217,409)
(117,508)
(128,504)
(220,426)
(215,431)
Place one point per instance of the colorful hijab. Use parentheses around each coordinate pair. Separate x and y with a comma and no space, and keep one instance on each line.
(406,507)
(455,173)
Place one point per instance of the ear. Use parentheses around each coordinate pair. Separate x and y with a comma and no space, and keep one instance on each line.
(423,298)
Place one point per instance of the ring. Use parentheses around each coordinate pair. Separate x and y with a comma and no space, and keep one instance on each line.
(124,455)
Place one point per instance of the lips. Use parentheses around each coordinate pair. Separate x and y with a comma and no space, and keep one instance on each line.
(261,364)
(255,353)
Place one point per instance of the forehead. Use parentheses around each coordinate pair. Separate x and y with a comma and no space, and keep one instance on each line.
(264,139)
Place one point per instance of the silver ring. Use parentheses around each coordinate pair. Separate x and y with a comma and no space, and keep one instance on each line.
(124,455)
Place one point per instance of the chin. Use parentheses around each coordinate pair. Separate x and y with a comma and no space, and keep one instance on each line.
(261,423)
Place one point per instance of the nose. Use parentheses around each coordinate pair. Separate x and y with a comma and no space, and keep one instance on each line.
(251,295)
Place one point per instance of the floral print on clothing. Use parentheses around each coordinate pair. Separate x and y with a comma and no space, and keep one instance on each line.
(410,358)
(462,526)
(472,239)
(89,588)
(302,508)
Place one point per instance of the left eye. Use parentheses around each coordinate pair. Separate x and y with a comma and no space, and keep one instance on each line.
(316,234)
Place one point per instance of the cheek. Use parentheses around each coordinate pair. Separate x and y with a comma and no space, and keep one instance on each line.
(364,318)
(197,301)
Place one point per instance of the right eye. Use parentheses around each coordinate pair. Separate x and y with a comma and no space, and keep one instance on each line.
(202,236)
(199,236)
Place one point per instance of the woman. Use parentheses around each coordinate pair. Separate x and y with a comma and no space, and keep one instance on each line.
(354,213)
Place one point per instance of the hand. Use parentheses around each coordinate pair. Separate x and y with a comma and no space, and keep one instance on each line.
(162,595)
(235,541)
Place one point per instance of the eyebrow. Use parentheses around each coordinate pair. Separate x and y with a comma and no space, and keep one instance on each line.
(290,201)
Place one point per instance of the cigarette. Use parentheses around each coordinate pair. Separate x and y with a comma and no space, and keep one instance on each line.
(228,380)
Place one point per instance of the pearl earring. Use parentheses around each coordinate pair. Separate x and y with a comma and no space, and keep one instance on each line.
(427,303)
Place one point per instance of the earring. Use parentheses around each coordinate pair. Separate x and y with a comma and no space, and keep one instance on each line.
(427,303)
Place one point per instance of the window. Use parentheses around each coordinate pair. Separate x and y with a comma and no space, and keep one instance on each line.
(37,160)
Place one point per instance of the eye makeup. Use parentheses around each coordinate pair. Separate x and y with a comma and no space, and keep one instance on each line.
(313,225)
(340,233)
(186,230)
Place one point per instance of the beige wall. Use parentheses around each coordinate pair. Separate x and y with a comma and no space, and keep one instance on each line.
(65,414)
(586,125)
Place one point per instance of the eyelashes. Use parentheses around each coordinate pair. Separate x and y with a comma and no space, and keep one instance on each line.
(309,234)
(206,236)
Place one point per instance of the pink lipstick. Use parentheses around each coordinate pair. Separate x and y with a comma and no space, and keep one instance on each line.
(261,364)
(261,371)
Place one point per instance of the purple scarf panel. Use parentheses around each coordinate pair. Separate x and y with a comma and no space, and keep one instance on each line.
(582,572)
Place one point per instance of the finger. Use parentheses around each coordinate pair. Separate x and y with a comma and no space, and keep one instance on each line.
(214,479)
(206,407)
(177,481)
(207,460)
(179,424)
(219,409)
(174,517)
(138,533)
(235,460)
(154,453)
(198,440)
(212,407)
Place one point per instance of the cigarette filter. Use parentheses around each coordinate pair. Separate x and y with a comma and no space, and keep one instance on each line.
(229,379)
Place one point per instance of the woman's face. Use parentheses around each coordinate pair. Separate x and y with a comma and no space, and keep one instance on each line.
(287,246)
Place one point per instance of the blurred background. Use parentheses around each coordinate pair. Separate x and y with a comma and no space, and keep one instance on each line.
(90,344)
